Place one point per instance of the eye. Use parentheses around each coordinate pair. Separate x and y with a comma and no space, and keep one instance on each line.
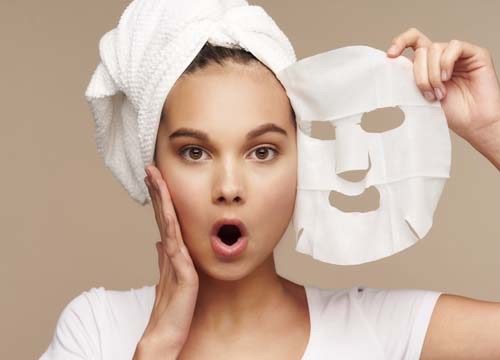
(193,150)
(194,153)
(264,151)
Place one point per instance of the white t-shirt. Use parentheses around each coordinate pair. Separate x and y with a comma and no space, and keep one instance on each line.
(354,323)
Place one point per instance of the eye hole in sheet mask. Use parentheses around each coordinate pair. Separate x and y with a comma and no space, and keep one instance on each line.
(382,119)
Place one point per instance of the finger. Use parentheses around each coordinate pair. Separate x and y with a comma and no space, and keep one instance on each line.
(455,50)
(150,191)
(180,242)
(164,195)
(421,73)
(166,273)
(159,252)
(170,240)
(412,37)
(158,202)
(174,246)
(159,289)
(448,58)
(182,264)
(434,53)
(170,244)
(165,241)
(154,200)
(157,179)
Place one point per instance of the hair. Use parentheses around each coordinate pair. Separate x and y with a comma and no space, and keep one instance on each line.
(215,54)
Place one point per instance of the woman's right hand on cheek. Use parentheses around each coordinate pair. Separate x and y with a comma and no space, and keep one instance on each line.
(177,290)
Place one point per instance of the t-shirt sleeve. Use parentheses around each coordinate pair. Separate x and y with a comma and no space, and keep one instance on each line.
(76,336)
(400,318)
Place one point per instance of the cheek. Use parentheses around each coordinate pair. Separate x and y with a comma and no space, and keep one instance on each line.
(275,196)
(282,188)
(187,192)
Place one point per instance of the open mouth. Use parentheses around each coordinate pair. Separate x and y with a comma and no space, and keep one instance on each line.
(229,234)
(229,237)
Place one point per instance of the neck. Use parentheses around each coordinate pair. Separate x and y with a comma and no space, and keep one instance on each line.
(226,305)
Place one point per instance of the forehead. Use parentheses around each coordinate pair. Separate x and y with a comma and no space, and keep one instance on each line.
(229,94)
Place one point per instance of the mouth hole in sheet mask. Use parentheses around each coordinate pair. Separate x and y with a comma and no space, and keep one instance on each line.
(368,201)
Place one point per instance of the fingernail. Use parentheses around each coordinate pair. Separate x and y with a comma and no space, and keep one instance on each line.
(392,49)
(444,75)
(439,93)
(429,95)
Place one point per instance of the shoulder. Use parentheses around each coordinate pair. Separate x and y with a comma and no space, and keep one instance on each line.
(134,301)
(400,318)
(397,319)
(371,301)
(76,335)
(83,310)
(99,303)
(92,313)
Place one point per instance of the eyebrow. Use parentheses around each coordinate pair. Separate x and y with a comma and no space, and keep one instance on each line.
(258,131)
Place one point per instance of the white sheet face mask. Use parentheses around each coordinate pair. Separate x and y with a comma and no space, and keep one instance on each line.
(408,165)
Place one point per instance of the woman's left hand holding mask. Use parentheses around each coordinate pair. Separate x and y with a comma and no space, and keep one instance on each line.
(462,76)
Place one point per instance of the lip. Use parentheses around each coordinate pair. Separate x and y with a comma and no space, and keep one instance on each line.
(226,251)
(229,221)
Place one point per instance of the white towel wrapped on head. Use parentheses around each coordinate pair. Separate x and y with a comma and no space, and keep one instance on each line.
(140,60)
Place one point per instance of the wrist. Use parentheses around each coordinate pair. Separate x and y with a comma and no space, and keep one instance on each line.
(487,141)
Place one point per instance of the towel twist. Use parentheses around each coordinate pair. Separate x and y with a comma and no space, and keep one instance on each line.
(140,60)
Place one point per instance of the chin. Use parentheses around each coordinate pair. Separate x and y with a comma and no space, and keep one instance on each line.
(226,270)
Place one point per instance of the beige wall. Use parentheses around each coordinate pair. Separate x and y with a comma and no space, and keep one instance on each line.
(67,225)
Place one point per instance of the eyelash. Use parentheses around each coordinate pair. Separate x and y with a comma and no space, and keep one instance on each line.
(185,148)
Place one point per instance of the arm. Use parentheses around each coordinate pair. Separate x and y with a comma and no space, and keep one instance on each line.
(462,77)
(463,328)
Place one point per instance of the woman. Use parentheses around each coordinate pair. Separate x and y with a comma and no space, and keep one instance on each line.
(240,164)
(191,300)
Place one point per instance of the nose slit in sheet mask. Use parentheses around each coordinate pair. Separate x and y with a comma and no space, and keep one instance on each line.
(382,126)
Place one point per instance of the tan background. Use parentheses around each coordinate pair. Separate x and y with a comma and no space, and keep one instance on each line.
(67,225)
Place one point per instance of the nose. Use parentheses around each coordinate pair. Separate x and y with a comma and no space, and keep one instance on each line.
(228,186)
(351,147)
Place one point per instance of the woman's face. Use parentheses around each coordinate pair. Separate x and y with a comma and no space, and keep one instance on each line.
(229,174)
